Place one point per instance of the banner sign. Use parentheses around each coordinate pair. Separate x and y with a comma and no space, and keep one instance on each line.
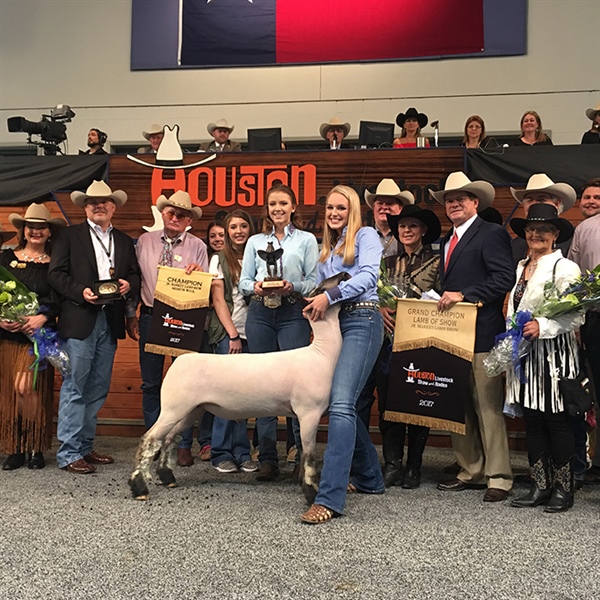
(430,373)
(180,309)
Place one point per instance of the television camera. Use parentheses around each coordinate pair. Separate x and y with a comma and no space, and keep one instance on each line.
(51,128)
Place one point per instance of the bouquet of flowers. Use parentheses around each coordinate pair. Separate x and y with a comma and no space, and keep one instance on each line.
(510,347)
(390,288)
(16,303)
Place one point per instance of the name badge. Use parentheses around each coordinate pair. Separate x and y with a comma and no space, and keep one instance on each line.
(177,257)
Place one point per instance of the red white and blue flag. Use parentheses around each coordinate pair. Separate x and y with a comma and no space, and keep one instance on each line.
(268,32)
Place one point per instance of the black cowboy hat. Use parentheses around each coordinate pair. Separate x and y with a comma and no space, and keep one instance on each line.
(412,113)
(427,217)
(491,215)
(544,213)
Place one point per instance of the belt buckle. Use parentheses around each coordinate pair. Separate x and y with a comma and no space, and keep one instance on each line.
(272,301)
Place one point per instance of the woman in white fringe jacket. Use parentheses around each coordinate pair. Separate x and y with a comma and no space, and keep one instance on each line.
(554,354)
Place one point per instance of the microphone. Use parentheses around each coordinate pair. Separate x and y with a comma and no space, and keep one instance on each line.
(436,133)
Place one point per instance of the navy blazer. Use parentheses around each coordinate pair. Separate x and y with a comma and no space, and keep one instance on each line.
(481,267)
(73,268)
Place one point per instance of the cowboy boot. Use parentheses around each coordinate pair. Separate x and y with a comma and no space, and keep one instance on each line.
(392,449)
(561,498)
(541,487)
(417,439)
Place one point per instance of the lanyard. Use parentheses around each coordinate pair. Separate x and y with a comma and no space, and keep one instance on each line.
(107,251)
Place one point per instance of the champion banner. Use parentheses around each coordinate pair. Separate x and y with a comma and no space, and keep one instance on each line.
(180,309)
(430,373)
(266,32)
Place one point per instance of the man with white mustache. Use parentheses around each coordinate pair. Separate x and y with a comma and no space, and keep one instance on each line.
(81,256)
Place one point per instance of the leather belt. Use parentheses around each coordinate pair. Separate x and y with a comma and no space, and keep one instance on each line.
(290,299)
(145,310)
(349,307)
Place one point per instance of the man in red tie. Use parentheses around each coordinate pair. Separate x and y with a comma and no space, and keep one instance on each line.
(477,267)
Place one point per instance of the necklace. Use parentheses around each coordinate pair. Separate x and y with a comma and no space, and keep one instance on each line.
(33,258)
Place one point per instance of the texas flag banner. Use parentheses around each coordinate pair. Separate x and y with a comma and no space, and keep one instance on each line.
(268,32)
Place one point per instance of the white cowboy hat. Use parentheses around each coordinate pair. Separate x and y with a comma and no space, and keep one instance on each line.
(334,122)
(98,189)
(540,182)
(6,235)
(388,188)
(154,129)
(220,124)
(458,181)
(36,213)
(179,199)
(591,113)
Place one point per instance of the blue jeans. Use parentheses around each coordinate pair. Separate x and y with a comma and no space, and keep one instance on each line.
(348,443)
(151,367)
(84,391)
(269,330)
(229,438)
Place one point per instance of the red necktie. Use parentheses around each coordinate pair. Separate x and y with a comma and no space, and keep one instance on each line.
(451,246)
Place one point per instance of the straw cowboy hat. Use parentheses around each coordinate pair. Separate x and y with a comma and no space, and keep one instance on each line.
(427,217)
(389,189)
(544,213)
(98,189)
(154,129)
(334,122)
(35,213)
(591,113)
(412,113)
(458,181)
(181,200)
(542,183)
(220,124)
(6,235)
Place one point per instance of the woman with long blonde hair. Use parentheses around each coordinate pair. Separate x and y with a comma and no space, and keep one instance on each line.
(348,247)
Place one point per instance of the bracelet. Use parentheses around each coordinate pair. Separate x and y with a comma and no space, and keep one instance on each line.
(235,339)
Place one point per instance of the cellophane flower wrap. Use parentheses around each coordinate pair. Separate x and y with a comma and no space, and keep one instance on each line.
(390,288)
(510,347)
(18,302)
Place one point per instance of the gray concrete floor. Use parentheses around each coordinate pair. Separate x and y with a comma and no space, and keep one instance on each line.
(218,536)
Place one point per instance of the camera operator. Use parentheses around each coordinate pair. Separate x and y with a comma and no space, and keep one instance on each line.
(95,141)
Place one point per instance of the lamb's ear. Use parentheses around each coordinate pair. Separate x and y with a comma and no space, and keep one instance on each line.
(330,282)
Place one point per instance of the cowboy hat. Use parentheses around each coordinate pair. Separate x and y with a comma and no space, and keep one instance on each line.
(179,199)
(389,189)
(220,124)
(6,235)
(542,183)
(491,215)
(334,122)
(154,129)
(591,113)
(412,113)
(458,181)
(425,216)
(98,189)
(35,213)
(544,213)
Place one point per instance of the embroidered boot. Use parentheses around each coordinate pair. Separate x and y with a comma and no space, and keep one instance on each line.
(561,498)
(541,488)
(392,449)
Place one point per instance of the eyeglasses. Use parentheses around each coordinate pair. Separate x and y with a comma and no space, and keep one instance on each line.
(540,229)
(176,214)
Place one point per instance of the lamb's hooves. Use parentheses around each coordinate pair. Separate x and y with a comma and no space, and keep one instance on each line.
(138,486)
(166,477)
(309,493)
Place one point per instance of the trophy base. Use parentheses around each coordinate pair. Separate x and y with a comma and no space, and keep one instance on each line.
(272,284)
(107,290)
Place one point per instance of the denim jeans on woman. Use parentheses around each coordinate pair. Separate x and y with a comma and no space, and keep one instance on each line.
(349,446)
(269,330)
(229,438)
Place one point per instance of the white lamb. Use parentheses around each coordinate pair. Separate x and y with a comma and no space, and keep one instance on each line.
(239,386)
